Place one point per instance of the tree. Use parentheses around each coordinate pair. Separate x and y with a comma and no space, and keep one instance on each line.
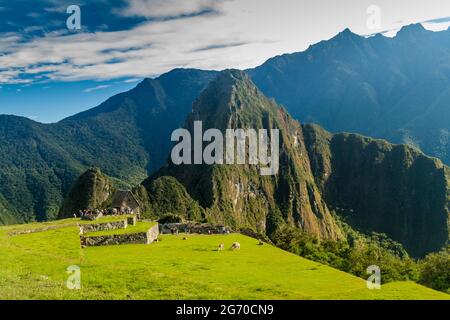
(435,270)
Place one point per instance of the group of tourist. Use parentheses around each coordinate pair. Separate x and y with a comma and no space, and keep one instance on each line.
(102,212)
(176,228)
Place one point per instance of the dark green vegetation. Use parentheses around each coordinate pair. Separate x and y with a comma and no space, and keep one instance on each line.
(166,196)
(435,271)
(391,88)
(6,213)
(377,186)
(358,251)
(127,136)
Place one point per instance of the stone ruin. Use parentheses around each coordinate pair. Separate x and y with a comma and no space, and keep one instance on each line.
(144,237)
(193,227)
(116,239)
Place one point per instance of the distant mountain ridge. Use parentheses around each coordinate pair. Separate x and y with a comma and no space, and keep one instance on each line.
(392,88)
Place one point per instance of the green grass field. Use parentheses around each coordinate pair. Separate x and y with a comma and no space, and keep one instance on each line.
(33,266)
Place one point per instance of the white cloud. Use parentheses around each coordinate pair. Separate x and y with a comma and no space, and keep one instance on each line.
(436,26)
(100,87)
(243,35)
(168,8)
(132,80)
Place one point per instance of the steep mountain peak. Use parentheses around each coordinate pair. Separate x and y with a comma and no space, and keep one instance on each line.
(230,100)
(347,34)
(185,72)
(231,79)
(415,28)
(143,86)
(236,74)
(238,194)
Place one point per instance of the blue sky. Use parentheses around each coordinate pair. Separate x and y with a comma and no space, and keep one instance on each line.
(48,72)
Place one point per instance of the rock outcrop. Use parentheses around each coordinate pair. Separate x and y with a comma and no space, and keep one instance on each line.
(165,195)
(91,190)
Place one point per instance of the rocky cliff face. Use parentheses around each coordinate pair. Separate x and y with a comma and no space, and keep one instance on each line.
(377,186)
(238,195)
(91,190)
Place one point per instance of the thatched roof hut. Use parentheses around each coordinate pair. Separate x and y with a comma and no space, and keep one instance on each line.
(124,199)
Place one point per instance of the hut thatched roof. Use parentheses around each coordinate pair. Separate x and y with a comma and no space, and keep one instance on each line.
(124,196)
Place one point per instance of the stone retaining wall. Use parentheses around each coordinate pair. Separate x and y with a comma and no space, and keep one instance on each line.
(41,229)
(85,228)
(193,227)
(116,239)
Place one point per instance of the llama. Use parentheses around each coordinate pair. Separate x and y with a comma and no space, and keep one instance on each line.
(235,246)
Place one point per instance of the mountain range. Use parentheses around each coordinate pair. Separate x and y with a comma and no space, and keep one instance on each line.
(324,179)
(397,89)
(392,88)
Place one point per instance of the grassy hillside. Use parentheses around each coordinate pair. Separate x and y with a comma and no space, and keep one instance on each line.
(33,266)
